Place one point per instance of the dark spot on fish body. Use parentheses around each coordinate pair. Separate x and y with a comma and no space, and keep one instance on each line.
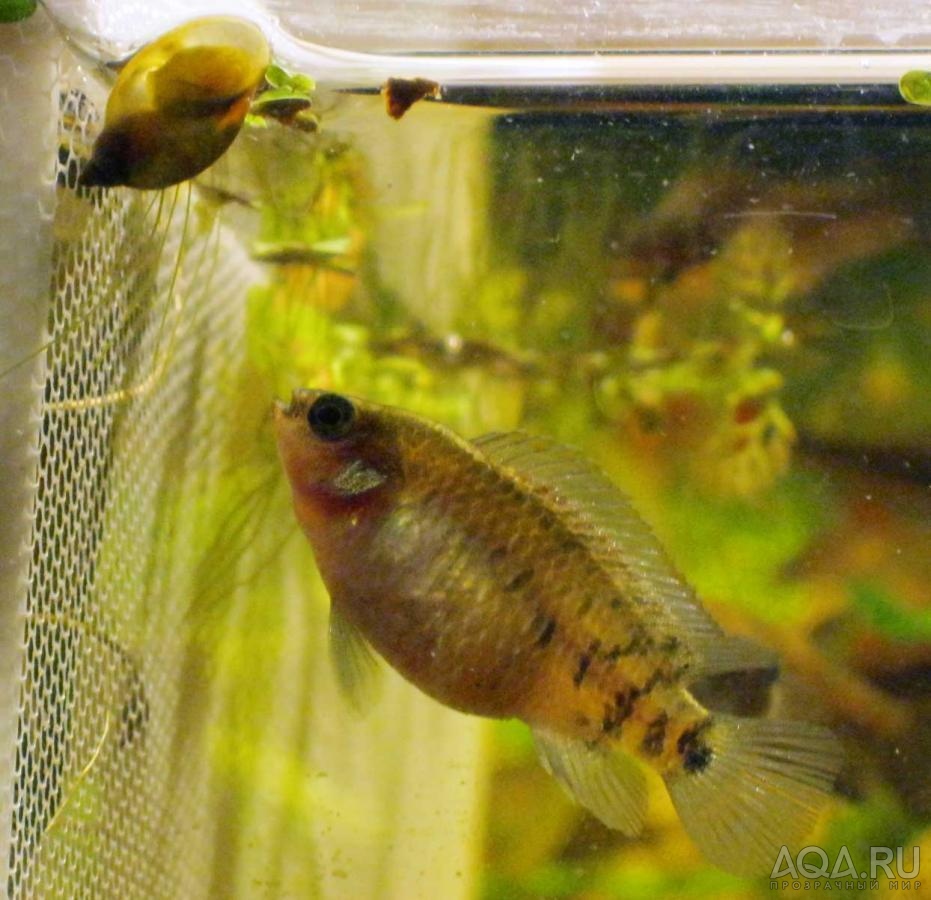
(659,676)
(582,721)
(696,759)
(608,721)
(570,544)
(695,753)
(620,712)
(625,701)
(586,605)
(497,554)
(519,580)
(617,603)
(678,673)
(546,635)
(639,644)
(655,737)
(507,491)
(669,644)
(585,661)
(613,655)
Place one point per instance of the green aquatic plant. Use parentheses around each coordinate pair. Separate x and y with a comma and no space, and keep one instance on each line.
(686,387)
(287,98)
(888,615)
(915,87)
(859,380)
(16,10)
(309,323)
(699,363)
(713,338)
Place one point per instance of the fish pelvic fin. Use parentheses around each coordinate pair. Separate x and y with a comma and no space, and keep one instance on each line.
(354,663)
(608,783)
(761,786)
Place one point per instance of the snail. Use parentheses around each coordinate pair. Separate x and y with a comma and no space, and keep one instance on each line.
(178,104)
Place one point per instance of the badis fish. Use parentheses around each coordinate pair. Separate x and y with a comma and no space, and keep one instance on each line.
(508,577)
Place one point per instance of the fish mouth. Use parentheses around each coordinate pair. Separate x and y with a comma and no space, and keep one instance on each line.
(288,410)
(300,399)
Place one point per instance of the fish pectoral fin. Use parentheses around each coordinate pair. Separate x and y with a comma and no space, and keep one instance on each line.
(719,655)
(608,783)
(355,665)
(762,787)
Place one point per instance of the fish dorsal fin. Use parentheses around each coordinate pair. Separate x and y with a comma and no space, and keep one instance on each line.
(354,662)
(600,514)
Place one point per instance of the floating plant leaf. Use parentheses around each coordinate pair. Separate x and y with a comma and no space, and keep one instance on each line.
(16,10)
(296,83)
(285,98)
(915,87)
(279,98)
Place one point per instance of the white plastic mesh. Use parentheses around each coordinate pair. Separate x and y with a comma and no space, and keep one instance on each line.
(135,351)
(173,730)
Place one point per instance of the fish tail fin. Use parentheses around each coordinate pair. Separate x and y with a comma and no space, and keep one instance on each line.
(761,786)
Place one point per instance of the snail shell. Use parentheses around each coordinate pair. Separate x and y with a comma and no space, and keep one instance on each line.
(178,104)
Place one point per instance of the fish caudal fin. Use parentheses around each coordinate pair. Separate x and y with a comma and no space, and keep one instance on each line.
(762,787)
(608,783)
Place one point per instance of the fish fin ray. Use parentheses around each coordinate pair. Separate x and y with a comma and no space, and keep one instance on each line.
(355,665)
(602,515)
(721,655)
(609,784)
(763,787)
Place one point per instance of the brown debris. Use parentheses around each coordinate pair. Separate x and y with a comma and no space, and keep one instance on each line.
(402,93)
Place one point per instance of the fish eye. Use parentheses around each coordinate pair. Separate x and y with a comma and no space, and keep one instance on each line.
(330,417)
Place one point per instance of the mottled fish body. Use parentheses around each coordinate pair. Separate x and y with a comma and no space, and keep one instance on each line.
(508,577)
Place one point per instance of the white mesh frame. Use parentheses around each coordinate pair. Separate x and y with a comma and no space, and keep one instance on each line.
(109,785)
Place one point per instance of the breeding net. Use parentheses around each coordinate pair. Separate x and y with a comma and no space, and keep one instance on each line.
(119,428)
(172,726)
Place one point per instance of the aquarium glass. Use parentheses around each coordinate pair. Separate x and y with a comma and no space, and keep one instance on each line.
(707,271)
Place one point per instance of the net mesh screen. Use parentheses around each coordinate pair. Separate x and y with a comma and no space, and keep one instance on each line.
(135,348)
(177,732)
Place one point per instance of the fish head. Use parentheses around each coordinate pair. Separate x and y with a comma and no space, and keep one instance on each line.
(342,458)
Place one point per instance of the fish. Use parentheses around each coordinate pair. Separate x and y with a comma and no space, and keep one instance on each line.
(508,577)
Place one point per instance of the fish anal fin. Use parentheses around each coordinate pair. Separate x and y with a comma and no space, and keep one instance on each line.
(762,787)
(608,783)
(355,664)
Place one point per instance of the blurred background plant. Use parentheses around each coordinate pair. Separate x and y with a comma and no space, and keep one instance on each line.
(730,313)
(733,318)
